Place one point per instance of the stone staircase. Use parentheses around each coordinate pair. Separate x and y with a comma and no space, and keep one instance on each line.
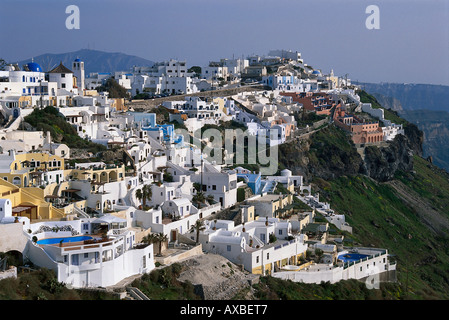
(133,293)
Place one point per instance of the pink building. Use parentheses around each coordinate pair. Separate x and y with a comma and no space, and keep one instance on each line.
(362,132)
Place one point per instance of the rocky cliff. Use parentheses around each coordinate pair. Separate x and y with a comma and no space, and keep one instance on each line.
(435,127)
(327,154)
(330,153)
(382,163)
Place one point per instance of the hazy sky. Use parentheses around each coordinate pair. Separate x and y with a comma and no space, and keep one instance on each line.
(412,44)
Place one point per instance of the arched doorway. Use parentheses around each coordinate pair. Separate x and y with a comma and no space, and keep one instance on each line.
(16,181)
(11,258)
(112,176)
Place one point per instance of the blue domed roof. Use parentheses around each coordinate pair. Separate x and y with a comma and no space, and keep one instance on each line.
(77,60)
(35,67)
(316,72)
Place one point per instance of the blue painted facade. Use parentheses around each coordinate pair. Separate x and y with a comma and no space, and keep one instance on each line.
(147,119)
(253,180)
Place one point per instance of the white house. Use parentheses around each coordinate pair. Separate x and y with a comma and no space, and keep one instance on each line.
(178,207)
(369,264)
(249,244)
(83,259)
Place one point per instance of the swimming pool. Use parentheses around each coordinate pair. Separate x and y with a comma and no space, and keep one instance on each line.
(351,257)
(66,239)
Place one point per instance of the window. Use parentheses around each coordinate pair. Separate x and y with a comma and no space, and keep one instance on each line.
(86,255)
(257,259)
(280,232)
(75,260)
(228,248)
(214,187)
(62,75)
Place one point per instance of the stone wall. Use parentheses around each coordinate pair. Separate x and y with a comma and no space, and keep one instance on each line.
(180,255)
(151,103)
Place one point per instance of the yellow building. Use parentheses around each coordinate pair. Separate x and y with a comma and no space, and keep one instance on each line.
(27,169)
(26,203)
(248,213)
(100,173)
(271,204)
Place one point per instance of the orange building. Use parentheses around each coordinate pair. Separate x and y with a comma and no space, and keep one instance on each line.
(318,102)
(362,132)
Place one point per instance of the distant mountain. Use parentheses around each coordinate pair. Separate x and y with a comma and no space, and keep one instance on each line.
(425,105)
(411,96)
(94,60)
(435,126)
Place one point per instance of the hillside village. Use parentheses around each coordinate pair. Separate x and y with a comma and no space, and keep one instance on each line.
(127,184)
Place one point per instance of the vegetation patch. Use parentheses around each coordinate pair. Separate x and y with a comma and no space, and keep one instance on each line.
(162,284)
(270,288)
(49,119)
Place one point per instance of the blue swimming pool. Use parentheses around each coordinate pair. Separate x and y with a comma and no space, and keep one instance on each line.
(351,257)
(66,239)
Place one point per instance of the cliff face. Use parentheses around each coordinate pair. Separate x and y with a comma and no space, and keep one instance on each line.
(382,163)
(388,102)
(329,154)
(435,126)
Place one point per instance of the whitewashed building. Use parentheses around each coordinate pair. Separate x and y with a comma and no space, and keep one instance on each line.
(251,245)
(89,260)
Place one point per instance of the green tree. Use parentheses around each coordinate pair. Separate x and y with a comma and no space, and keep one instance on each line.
(197,227)
(161,238)
(168,177)
(199,198)
(2,64)
(195,69)
(318,254)
(147,193)
(210,198)
(139,194)
(115,90)
(143,194)
(150,238)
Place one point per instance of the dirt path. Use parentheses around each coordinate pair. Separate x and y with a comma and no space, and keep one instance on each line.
(431,217)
